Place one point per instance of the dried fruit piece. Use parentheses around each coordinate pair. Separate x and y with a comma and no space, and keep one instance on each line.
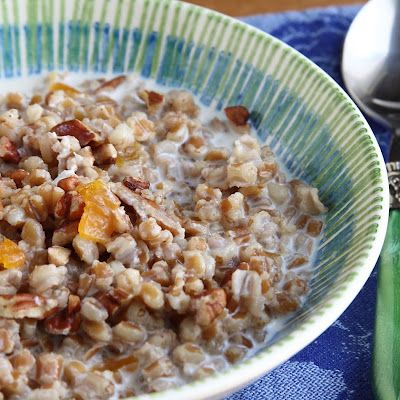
(65,88)
(11,256)
(111,84)
(239,115)
(75,128)
(8,151)
(97,192)
(96,224)
(135,183)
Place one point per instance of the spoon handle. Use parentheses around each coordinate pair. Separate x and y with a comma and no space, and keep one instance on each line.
(386,360)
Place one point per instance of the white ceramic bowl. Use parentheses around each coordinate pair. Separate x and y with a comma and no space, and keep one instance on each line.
(309,122)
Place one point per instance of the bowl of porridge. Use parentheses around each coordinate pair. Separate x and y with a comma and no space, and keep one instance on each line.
(185,201)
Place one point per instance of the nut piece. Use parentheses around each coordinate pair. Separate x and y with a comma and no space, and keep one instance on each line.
(8,151)
(18,176)
(62,323)
(153,100)
(307,199)
(111,84)
(25,305)
(76,129)
(105,154)
(64,235)
(86,250)
(58,255)
(210,307)
(239,115)
(147,208)
(133,183)
(33,234)
(68,184)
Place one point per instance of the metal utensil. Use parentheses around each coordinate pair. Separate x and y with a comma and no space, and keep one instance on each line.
(371,71)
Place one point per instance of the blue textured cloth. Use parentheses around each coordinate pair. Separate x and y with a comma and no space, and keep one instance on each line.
(338,364)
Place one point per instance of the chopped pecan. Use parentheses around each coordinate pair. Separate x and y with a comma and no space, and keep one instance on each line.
(239,115)
(70,206)
(76,208)
(58,255)
(135,183)
(105,154)
(146,208)
(210,307)
(68,184)
(62,323)
(26,305)
(75,128)
(153,100)
(8,151)
(86,282)
(65,234)
(18,175)
(113,300)
(74,304)
(111,84)
(63,206)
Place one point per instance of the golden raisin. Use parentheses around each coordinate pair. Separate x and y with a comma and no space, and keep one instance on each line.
(97,222)
(11,256)
(97,192)
(62,86)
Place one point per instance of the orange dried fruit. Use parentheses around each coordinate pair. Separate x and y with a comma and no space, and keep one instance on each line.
(97,192)
(62,86)
(11,256)
(97,222)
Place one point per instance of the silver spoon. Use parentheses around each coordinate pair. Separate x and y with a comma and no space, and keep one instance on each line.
(371,72)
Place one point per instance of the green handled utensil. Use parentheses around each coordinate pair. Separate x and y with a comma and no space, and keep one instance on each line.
(371,71)
(386,361)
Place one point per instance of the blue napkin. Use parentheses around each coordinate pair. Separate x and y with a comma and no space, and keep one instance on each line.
(336,366)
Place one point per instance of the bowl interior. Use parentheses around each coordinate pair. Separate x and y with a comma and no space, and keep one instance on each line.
(311,125)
